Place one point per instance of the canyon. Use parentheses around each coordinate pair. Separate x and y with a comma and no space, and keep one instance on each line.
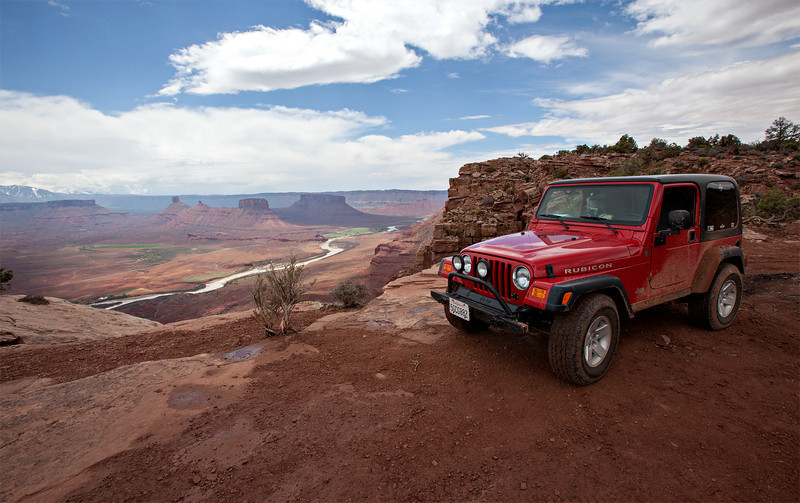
(78,250)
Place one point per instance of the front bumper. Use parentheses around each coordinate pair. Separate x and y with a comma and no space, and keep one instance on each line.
(494,311)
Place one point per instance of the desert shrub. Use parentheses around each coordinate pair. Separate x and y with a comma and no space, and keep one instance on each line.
(560,173)
(658,150)
(350,293)
(702,161)
(672,150)
(583,149)
(625,145)
(728,143)
(698,143)
(37,300)
(776,204)
(5,279)
(276,293)
(629,167)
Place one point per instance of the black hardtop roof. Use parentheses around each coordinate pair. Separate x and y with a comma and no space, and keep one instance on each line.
(700,179)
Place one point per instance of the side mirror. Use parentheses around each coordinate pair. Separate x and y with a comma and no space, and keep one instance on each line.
(679,220)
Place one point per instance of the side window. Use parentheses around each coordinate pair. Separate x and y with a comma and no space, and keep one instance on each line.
(677,198)
(722,206)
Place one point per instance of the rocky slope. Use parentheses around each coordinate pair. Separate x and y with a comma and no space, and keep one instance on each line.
(168,214)
(497,197)
(417,209)
(251,217)
(401,255)
(58,219)
(59,322)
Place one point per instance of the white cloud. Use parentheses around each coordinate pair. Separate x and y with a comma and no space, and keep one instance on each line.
(474,117)
(58,143)
(521,13)
(716,22)
(546,48)
(266,59)
(742,99)
(369,41)
(63,10)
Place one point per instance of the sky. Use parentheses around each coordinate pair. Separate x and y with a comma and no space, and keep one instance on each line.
(244,96)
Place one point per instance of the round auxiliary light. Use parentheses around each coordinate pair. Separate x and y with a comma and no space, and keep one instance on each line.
(458,264)
(482,268)
(522,278)
(467,263)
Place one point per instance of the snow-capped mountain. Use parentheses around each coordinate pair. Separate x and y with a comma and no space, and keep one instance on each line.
(24,194)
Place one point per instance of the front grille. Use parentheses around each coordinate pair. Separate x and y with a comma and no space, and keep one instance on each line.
(499,277)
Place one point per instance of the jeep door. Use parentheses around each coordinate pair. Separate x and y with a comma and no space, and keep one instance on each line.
(675,251)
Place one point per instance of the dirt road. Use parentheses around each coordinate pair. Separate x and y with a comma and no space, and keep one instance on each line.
(391,404)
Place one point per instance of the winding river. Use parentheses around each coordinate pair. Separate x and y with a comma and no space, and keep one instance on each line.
(328,246)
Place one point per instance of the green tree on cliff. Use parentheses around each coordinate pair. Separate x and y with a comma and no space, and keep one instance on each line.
(5,278)
(781,131)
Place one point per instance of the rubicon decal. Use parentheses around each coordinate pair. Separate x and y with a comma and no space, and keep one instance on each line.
(588,268)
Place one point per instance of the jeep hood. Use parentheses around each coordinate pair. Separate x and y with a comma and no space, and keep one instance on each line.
(568,252)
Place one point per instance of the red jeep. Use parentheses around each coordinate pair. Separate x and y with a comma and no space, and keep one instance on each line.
(599,247)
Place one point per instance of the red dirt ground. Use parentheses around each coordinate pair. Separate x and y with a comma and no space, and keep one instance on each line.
(367,415)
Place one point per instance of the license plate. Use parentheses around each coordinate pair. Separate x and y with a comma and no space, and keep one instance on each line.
(460,309)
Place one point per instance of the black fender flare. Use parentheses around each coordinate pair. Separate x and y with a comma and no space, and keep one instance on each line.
(710,262)
(583,286)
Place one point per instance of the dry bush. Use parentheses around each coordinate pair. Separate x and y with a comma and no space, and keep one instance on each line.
(276,293)
(350,293)
(36,300)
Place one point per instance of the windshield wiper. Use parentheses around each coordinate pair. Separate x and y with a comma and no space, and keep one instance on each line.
(550,215)
(591,217)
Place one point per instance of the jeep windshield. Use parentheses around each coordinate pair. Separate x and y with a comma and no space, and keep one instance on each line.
(612,204)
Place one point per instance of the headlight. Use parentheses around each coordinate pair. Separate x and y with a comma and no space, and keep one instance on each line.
(458,264)
(467,263)
(482,268)
(522,278)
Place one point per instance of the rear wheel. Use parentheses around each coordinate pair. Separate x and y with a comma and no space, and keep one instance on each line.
(471,327)
(717,308)
(583,341)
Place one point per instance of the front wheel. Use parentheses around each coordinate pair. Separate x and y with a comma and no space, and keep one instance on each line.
(583,341)
(717,308)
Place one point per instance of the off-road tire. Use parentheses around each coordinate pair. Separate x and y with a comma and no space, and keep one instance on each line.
(716,309)
(472,326)
(574,353)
